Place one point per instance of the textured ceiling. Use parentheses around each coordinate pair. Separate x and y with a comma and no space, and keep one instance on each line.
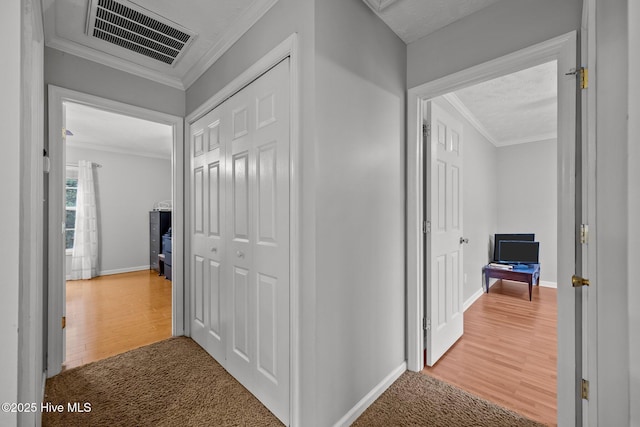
(102,130)
(216,23)
(516,108)
(414,19)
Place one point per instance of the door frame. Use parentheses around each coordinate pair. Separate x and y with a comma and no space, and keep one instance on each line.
(56,258)
(287,48)
(563,49)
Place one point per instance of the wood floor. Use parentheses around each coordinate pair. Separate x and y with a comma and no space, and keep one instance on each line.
(508,353)
(109,315)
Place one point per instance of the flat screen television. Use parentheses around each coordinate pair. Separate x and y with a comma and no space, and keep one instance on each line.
(528,237)
(518,252)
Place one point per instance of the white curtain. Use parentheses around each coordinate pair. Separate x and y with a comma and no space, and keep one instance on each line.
(84,261)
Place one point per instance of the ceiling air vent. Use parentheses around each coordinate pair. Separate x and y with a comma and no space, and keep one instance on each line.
(138,30)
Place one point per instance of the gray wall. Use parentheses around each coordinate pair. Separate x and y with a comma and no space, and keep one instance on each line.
(480,200)
(352,192)
(72,72)
(527,192)
(127,187)
(497,30)
(612,213)
(360,211)
(634,209)
(10,101)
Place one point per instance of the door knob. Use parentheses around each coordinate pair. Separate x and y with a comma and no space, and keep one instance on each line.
(463,240)
(240,254)
(214,249)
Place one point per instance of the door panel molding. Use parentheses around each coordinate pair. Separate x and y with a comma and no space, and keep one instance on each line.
(288,48)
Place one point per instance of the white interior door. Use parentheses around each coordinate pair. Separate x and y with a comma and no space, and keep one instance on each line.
(443,296)
(208,232)
(240,236)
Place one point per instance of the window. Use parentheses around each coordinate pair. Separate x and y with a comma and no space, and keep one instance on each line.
(71,193)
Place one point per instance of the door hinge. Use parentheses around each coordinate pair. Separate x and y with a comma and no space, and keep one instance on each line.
(584,78)
(578,282)
(426,323)
(426,227)
(64,322)
(584,392)
(584,234)
(426,129)
(583,74)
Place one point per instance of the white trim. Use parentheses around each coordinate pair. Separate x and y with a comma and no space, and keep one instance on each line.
(563,49)
(114,62)
(371,397)
(30,308)
(553,136)
(118,271)
(546,284)
(456,103)
(379,5)
(288,48)
(246,20)
(589,170)
(57,96)
(473,298)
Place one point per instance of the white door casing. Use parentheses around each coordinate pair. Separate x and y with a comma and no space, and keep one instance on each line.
(56,275)
(562,49)
(240,291)
(443,262)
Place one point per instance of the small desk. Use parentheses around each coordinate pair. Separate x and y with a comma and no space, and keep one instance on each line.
(529,275)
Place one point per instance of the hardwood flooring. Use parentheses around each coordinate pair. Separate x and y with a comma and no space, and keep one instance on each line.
(508,353)
(109,315)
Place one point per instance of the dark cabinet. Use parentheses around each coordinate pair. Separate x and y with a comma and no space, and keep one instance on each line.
(167,251)
(159,224)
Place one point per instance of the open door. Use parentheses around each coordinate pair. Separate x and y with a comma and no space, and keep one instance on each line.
(444,239)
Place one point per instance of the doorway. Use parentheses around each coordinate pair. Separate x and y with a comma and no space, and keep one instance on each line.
(507,130)
(117,148)
(125,302)
(562,49)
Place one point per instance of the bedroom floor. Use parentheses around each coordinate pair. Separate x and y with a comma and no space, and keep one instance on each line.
(109,315)
(508,353)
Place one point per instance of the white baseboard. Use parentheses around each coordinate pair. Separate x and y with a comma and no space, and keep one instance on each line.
(371,397)
(123,270)
(119,271)
(548,284)
(472,299)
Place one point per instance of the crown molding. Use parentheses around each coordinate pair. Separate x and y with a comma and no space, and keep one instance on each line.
(456,103)
(257,10)
(553,136)
(379,5)
(94,55)
(246,20)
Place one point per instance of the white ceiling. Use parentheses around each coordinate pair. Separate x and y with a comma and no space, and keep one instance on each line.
(106,131)
(413,19)
(513,109)
(217,25)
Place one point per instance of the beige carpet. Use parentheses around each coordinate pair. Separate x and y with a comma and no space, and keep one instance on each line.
(417,399)
(157,386)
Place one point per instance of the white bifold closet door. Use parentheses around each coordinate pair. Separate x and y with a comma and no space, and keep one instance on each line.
(240,236)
